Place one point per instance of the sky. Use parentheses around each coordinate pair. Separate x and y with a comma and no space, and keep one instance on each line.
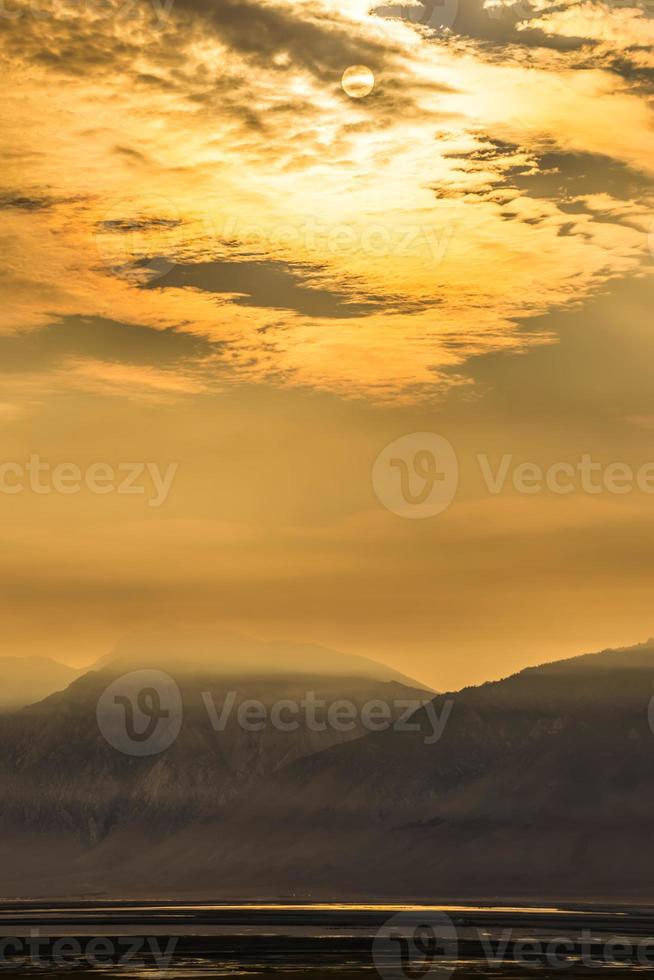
(242,298)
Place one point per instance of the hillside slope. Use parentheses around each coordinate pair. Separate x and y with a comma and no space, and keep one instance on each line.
(24,680)
(542,784)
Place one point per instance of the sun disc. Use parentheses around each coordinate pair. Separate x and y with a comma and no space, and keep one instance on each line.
(358,81)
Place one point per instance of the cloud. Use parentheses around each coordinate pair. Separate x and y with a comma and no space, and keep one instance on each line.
(227,188)
(97,338)
(24,202)
(276,285)
(322,40)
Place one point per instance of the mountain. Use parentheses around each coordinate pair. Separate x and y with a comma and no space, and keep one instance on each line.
(193,651)
(541,785)
(28,679)
(69,795)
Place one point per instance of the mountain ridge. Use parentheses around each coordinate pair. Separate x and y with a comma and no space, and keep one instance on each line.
(542,782)
(31,678)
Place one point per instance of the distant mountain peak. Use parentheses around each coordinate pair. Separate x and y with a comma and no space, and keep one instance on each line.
(25,680)
(223,653)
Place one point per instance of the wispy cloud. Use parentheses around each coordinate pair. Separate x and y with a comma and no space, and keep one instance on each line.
(209,175)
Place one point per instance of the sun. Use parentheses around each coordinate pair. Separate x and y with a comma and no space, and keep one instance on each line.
(358,81)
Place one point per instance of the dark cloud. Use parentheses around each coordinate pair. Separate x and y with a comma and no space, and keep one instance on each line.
(24,202)
(600,367)
(123,225)
(641,77)
(68,43)
(322,45)
(269,284)
(132,154)
(495,25)
(565,175)
(96,337)
(502,31)
(562,178)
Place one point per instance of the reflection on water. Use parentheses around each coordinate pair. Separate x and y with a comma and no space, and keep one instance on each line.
(383,941)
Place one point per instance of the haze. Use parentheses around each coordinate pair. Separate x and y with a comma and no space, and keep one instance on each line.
(218,259)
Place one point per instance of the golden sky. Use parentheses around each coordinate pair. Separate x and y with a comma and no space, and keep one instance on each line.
(218,259)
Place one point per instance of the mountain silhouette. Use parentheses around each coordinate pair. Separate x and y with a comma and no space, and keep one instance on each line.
(541,784)
(29,679)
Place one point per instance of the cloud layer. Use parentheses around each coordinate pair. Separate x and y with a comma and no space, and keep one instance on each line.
(199,169)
